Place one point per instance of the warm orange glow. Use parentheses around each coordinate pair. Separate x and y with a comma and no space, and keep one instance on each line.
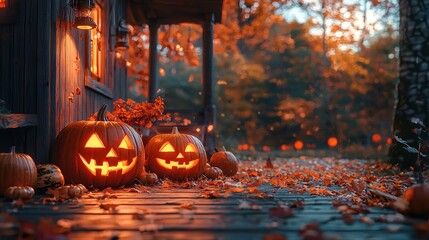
(285,147)
(162,72)
(210,128)
(105,168)
(376,138)
(167,147)
(198,130)
(298,145)
(2,3)
(174,164)
(265,148)
(245,147)
(94,142)
(240,147)
(389,141)
(112,153)
(332,142)
(126,143)
(190,148)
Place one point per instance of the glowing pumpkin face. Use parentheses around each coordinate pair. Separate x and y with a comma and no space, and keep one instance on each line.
(176,156)
(99,153)
(112,161)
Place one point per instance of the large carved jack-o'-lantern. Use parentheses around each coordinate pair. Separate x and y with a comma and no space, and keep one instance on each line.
(176,156)
(99,153)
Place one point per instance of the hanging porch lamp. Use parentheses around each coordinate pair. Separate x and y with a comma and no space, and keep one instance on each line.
(83,19)
(122,36)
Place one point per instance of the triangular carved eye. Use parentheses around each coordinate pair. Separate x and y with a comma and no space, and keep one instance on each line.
(126,143)
(167,147)
(190,148)
(94,142)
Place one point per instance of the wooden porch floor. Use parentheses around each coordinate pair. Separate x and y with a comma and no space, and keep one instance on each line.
(162,212)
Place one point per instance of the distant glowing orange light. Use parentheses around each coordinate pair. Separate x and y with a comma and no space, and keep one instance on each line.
(245,147)
(162,72)
(376,138)
(332,142)
(240,147)
(210,128)
(389,141)
(285,147)
(265,148)
(298,145)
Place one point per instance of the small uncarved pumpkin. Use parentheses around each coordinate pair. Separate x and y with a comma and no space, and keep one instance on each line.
(99,153)
(418,199)
(49,176)
(226,161)
(72,191)
(176,156)
(212,172)
(18,192)
(16,169)
(148,179)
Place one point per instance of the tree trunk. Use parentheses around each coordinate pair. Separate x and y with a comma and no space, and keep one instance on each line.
(413,87)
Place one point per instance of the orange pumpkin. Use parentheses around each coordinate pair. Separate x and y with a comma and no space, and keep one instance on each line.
(148,179)
(72,191)
(19,192)
(99,153)
(212,172)
(226,161)
(16,169)
(176,156)
(418,199)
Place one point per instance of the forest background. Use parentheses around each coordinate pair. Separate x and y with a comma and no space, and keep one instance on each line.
(285,71)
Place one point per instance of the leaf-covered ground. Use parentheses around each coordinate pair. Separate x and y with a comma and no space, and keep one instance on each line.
(340,192)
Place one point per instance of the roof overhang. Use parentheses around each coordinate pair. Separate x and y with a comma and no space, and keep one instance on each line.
(173,11)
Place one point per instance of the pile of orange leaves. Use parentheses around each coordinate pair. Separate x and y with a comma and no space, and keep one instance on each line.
(356,181)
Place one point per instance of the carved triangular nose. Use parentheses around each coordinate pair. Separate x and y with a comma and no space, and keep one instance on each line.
(180,156)
(111,153)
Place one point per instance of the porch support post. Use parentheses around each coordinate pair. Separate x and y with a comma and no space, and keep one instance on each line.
(153,60)
(208,87)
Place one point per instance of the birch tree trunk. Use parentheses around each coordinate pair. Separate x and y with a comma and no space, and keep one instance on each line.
(413,88)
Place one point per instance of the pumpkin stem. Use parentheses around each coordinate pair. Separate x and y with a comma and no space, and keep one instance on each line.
(101,115)
(12,150)
(175,131)
(223,148)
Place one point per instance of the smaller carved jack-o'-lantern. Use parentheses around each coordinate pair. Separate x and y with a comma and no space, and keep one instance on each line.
(99,153)
(176,156)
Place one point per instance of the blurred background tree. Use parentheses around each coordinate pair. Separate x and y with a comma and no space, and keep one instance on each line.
(286,70)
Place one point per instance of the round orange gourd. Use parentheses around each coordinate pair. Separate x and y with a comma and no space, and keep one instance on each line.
(16,169)
(212,172)
(176,156)
(226,161)
(418,199)
(19,192)
(99,153)
(148,179)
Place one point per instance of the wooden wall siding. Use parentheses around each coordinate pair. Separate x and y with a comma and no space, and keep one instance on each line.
(70,74)
(38,71)
(25,55)
(18,53)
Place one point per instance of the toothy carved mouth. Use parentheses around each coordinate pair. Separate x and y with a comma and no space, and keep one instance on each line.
(105,168)
(175,164)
